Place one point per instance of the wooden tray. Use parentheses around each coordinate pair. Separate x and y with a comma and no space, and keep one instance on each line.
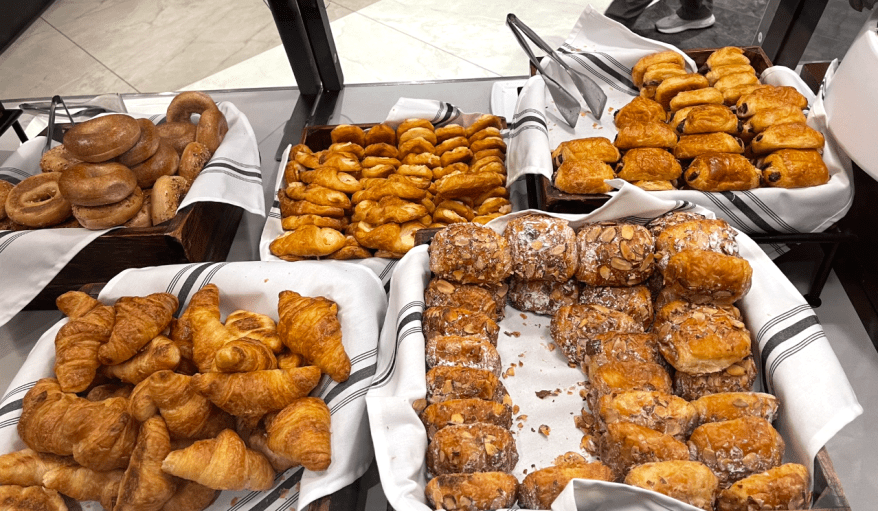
(549,198)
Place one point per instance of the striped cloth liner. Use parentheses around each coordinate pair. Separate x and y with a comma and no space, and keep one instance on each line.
(794,358)
(31,259)
(255,286)
(606,51)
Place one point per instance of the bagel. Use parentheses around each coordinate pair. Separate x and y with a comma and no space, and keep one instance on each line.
(381,133)
(143,218)
(102,138)
(5,188)
(37,201)
(211,129)
(109,215)
(167,193)
(187,103)
(348,133)
(163,163)
(97,184)
(178,134)
(57,159)
(195,157)
(146,145)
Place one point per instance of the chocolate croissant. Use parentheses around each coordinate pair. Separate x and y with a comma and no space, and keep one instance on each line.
(709,119)
(705,96)
(787,136)
(599,148)
(676,84)
(639,110)
(645,62)
(721,172)
(648,134)
(729,55)
(584,176)
(691,146)
(649,164)
(781,114)
(794,168)
(769,97)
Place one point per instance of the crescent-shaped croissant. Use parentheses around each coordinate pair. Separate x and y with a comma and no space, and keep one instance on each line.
(27,467)
(208,332)
(243,355)
(160,353)
(145,486)
(256,393)
(27,498)
(82,483)
(138,321)
(301,433)
(191,496)
(310,327)
(256,326)
(221,463)
(77,342)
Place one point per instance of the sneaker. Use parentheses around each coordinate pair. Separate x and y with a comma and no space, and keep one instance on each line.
(674,24)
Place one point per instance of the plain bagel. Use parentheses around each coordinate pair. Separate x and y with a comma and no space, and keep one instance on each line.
(37,201)
(187,103)
(102,138)
(96,184)
(109,215)
(163,163)
(146,145)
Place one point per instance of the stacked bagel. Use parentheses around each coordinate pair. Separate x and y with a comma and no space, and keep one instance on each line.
(117,170)
(370,191)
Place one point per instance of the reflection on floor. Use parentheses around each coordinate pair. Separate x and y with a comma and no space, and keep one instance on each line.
(81,47)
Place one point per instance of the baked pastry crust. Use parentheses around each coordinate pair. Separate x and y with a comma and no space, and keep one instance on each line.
(479,491)
(615,377)
(598,148)
(647,134)
(673,85)
(444,320)
(737,448)
(795,135)
(660,223)
(474,298)
(467,448)
(719,71)
(645,62)
(711,118)
(735,80)
(639,110)
(465,411)
(626,445)
(766,98)
(688,481)
(649,164)
(715,235)
(705,96)
(660,411)
(543,248)
(738,377)
(636,301)
(541,487)
(726,406)
(573,323)
(542,296)
(783,487)
(654,186)
(585,175)
(470,254)
(704,276)
(794,168)
(731,95)
(721,172)
(445,383)
(614,254)
(602,348)
(781,114)
(469,351)
(657,73)
(691,146)
(726,56)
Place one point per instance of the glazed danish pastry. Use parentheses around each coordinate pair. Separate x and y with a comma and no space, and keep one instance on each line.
(381,134)
(453,186)
(708,119)
(584,176)
(484,121)
(677,84)
(705,96)
(348,133)
(726,406)
(599,148)
(691,146)
(787,136)
(450,131)
(794,168)
(737,448)
(645,62)
(663,412)
(639,110)
(649,164)
(721,172)
(648,134)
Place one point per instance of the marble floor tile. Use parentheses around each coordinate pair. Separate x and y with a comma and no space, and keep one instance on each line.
(43,62)
(268,69)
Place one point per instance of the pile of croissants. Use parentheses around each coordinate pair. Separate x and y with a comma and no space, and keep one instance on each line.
(152,412)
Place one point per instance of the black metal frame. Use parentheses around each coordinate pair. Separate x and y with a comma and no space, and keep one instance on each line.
(791,28)
(9,118)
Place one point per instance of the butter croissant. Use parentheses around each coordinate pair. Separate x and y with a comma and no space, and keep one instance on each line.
(301,433)
(82,483)
(256,393)
(187,413)
(256,326)
(145,487)
(138,321)
(27,467)
(30,498)
(161,353)
(191,496)
(77,342)
(310,327)
(221,463)
(243,355)
(208,332)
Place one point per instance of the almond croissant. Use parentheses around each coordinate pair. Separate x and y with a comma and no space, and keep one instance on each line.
(222,463)
(208,332)
(243,355)
(190,496)
(256,393)
(138,320)
(145,487)
(82,483)
(310,327)
(77,342)
(187,413)
(100,435)
(160,353)
(255,326)
(27,467)
(301,433)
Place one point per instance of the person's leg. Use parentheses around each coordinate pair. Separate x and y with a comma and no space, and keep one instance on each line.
(695,9)
(693,14)
(626,12)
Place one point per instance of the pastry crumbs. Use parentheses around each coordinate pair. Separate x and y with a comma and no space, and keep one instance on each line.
(544,430)
(516,409)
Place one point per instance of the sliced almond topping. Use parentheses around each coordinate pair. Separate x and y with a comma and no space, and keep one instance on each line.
(592,235)
(605,272)
(419,404)
(620,264)
(608,234)
(536,245)
(444,286)
(557,250)
(735,370)
(491,450)
(627,231)
(458,418)
(544,430)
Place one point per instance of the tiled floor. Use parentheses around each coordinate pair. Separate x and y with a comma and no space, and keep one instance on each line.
(81,47)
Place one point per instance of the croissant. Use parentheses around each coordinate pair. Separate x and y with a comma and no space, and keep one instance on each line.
(331,177)
(301,433)
(256,393)
(138,321)
(221,463)
(190,496)
(181,334)
(289,360)
(243,355)
(187,413)
(82,483)
(255,326)
(208,332)
(109,390)
(258,441)
(161,353)
(310,327)
(27,467)
(30,498)
(318,194)
(308,241)
(100,435)
(145,487)
(77,342)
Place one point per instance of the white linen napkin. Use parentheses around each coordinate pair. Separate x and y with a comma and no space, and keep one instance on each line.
(606,51)
(795,360)
(255,286)
(30,259)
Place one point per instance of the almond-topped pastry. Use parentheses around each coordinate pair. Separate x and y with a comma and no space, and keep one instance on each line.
(636,301)
(703,339)
(470,254)
(688,481)
(453,350)
(446,382)
(480,491)
(465,411)
(543,248)
(542,296)
(541,487)
(626,445)
(705,276)
(714,235)
(659,224)
(615,377)
(466,448)
(737,448)
(614,254)
(726,406)
(660,411)
(474,298)
(599,349)
(783,487)
(738,377)
(439,321)
(573,323)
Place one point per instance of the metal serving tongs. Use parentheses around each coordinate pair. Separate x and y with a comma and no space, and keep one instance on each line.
(51,128)
(566,103)
(595,98)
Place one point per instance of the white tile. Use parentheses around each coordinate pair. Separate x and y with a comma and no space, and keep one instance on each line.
(42,63)
(268,69)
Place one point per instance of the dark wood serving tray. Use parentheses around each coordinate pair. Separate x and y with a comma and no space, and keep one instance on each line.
(549,198)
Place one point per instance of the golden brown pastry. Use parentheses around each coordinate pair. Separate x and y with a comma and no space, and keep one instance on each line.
(243,355)
(221,463)
(543,248)
(705,96)
(585,175)
(703,339)
(470,254)
(738,377)
(656,74)
(471,351)
(598,148)
(719,71)
(478,491)
(660,411)
(787,136)
(688,481)
(439,321)
(78,341)
(308,241)
(208,332)
(190,496)
(639,110)
(317,194)
(726,406)
(541,487)
(781,114)
(187,413)
(659,224)
(108,390)
(647,134)
(82,483)
(388,209)
(737,448)
(256,393)
(721,172)
(625,445)
(389,237)
(27,467)
(691,146)
(138,321)
(457,185)
(348,133)
(30,498)
(709,119)
(380,133)
(673,85)
(465,411)
(783,487)
(473,298)
(614,254)
(654,186)
(388,188)
(542,296)
(648,164)
(477,447)
(729,55)
(715,235)
(310,326)
(145,486)
(636,301)
(767,98)
(331,178)
(732,95)
(735,80)
(445,383)
(256,326)
(100,435)
(602,348)
(704,276)
(614,377)
(159,354)
(301,433)
(645,62)
(351,250)
(794,168)
(573,323)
